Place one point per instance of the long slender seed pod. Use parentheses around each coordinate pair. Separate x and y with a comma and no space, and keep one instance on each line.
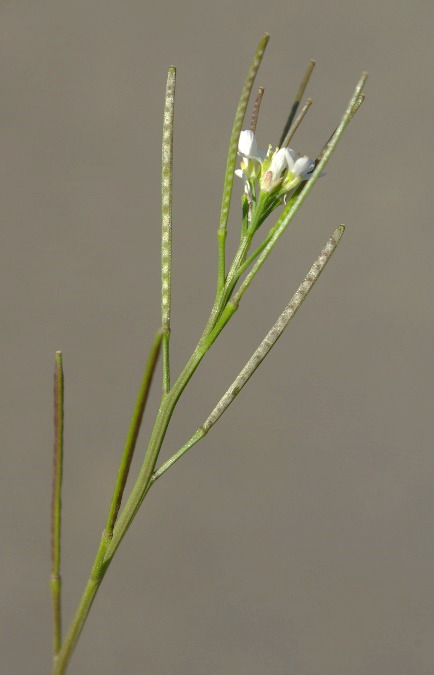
(166,220)
(261,352)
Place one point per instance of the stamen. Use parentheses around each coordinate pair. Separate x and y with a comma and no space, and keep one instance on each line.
(256,108)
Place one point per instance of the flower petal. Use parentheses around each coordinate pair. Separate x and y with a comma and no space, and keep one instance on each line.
(291,156)
(279,163)
(302,165)
(247,146)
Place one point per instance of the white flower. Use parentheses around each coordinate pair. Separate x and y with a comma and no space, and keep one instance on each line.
(279,171)
(298,166)
(275,165)
(279,162)
(247,145)
(247,189)
(248,150)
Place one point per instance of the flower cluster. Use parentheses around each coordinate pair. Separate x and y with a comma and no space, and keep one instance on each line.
(278,172)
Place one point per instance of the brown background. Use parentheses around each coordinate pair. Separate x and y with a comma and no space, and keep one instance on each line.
(298,537)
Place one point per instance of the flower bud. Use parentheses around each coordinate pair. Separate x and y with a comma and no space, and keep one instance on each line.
(247,145)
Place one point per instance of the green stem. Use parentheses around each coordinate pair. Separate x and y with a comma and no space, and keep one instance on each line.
(220,315)
(109,546)
(246,264)
(231,280)
(62,658)
(56,503)
(139,490)
(260,353)
(197,436)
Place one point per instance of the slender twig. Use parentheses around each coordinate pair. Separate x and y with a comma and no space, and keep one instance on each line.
(289,212)
(297,123)
(261,352)
(232,157)
(197,436)
(256,108)
(133,433)
(297,101)
(56,502)
(255,254)
(166,217)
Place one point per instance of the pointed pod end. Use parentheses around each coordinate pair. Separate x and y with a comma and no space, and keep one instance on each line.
(264,41)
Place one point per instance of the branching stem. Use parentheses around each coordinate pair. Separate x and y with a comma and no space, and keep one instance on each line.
(261,352)
(226,302)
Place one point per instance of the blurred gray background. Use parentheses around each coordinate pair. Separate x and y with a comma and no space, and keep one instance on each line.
(298,537)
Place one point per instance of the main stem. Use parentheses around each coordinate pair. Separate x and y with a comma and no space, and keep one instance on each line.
(168,404)
(109,545)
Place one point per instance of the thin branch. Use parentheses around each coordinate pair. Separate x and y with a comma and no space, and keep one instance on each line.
(166,218)
(261,352)
(56,502)
(197,436)
(297,101)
